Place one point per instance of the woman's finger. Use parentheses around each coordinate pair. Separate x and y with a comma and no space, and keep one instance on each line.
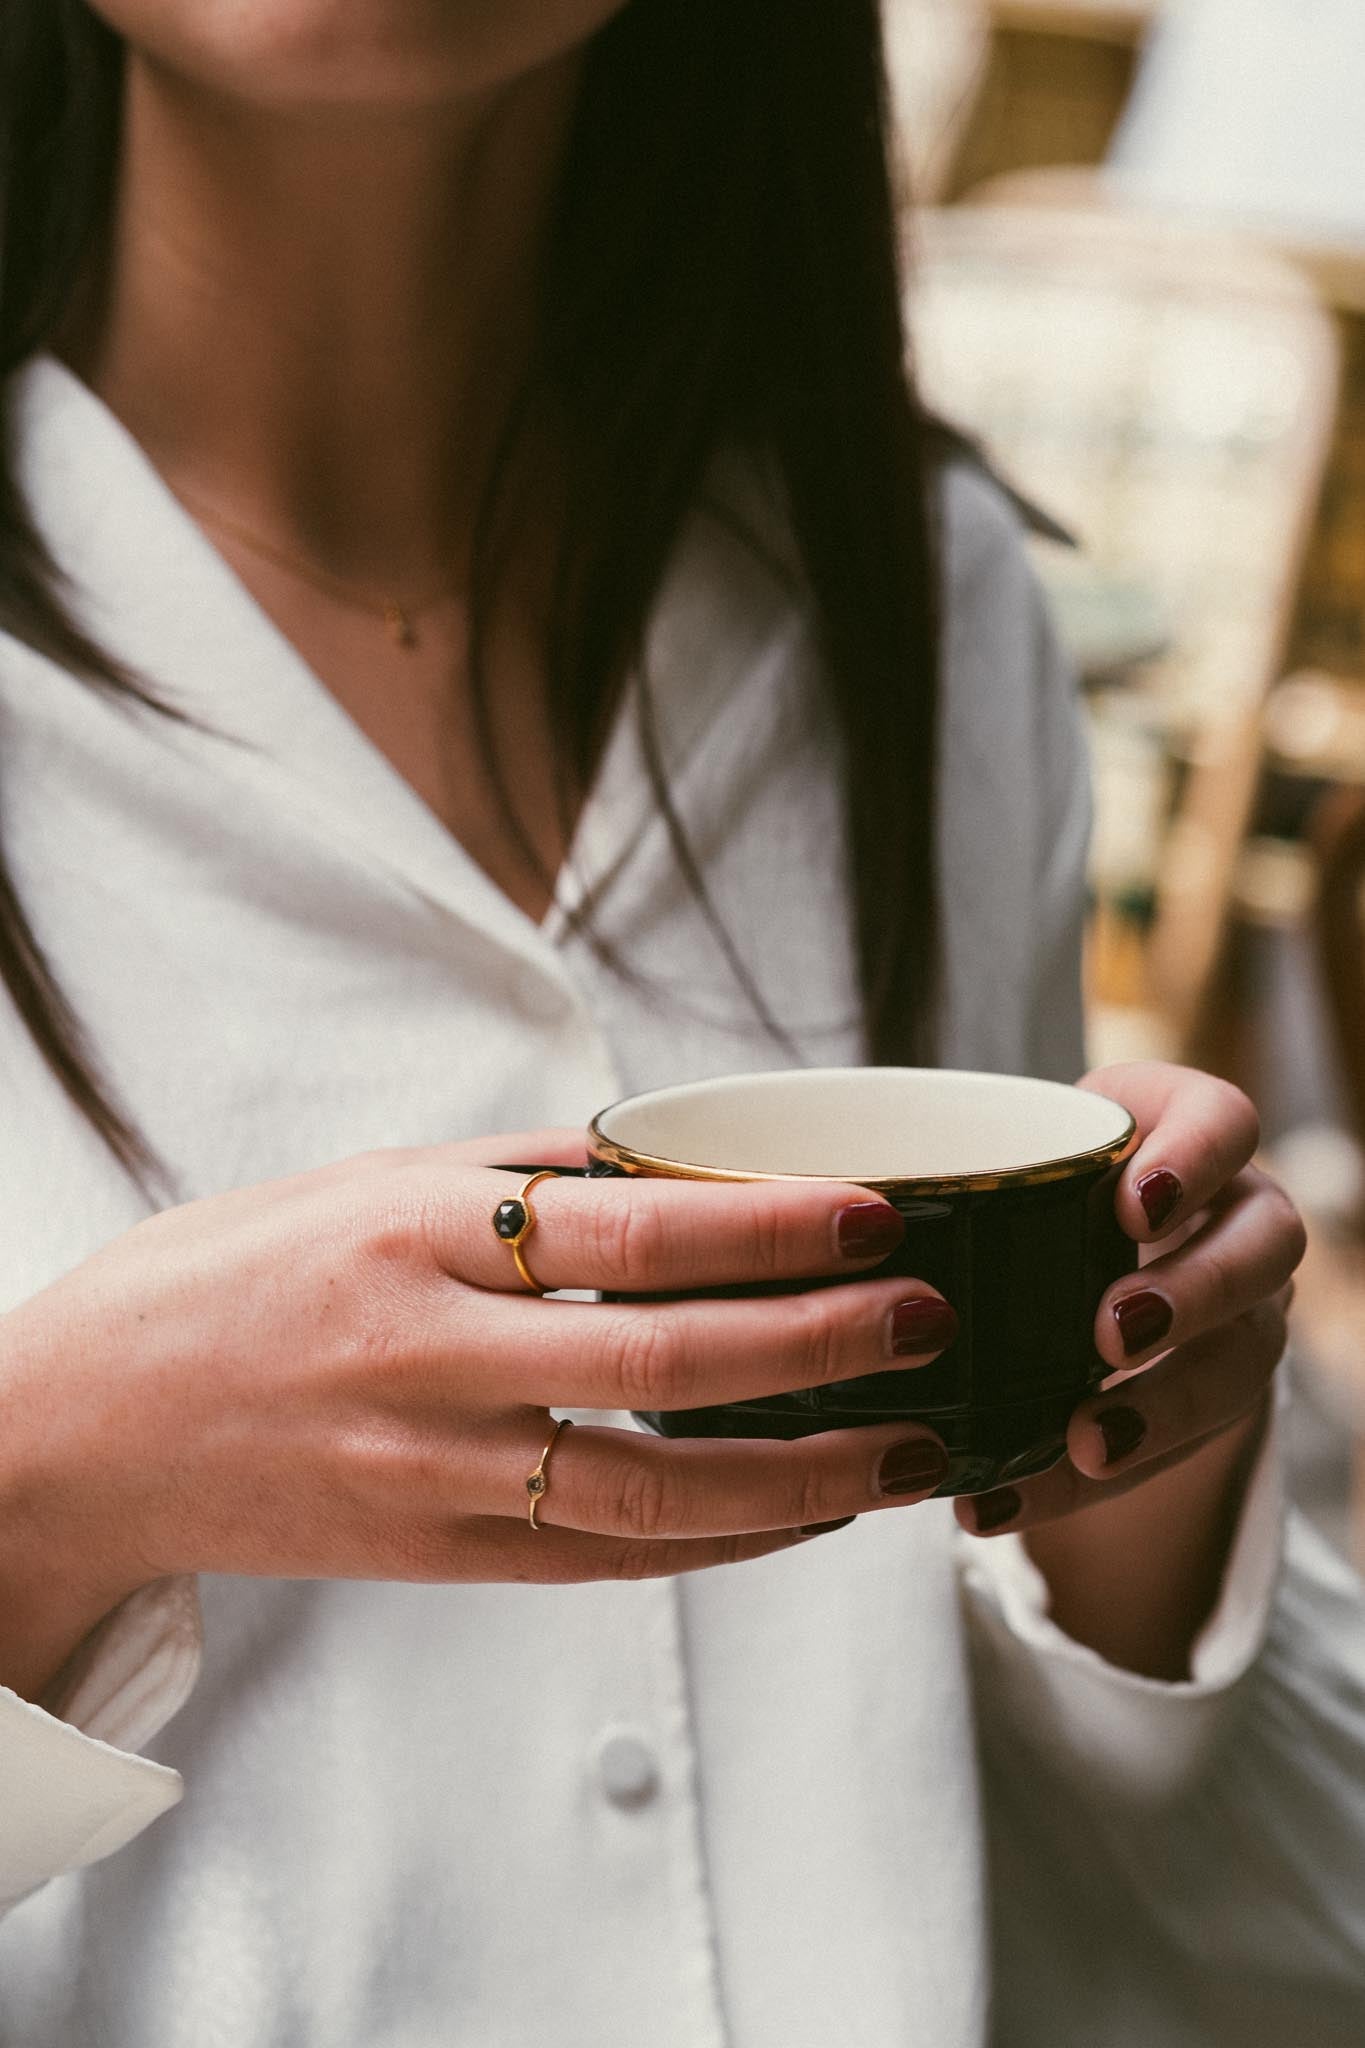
(1199,1387)
(671,1354)
(492,1550)
(623,1236)
(1127,1435)
(1245,1253)
(622,1483)
(1059,1492)
(1198,1132)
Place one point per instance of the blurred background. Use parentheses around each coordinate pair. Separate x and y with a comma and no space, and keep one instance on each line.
(1136,243)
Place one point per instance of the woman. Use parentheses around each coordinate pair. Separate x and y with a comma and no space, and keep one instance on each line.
(463,512)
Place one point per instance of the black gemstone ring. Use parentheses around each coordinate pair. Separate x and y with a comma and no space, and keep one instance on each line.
(515,1219)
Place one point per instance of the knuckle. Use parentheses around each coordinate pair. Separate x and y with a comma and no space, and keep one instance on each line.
(1251,1123)
(382,1329)
(641,1560)
(388,1231)
(760,1238)
(1208,1163)
(356,1335)
(626,1235)
(1224,1296)
(817,1497)
(817,1337)
(640,1499)
(1292,1226)
(1237,1115)
(651,1366)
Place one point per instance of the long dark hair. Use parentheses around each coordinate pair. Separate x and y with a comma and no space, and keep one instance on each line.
(722,279)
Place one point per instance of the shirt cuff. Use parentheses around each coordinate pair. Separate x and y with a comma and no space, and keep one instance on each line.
(70,1790)
(1150,1734)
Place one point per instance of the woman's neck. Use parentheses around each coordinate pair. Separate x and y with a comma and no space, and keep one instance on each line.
(315,320)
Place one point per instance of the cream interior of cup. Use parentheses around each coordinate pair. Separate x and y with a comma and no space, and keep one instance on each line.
(865,1123)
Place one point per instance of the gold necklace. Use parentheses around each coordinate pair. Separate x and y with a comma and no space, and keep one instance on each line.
(400,617)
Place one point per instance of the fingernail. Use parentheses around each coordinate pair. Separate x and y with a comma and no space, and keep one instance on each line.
(826,1528)
(868,1230)
(993,1510)
(1160,1194)
(1123,1430)
(1143,1320)
(921,1325)
(915,1466)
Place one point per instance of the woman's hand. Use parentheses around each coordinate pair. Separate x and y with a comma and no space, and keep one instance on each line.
(1193,1339)
(342,1375)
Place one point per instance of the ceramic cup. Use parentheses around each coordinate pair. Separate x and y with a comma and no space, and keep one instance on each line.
(1006,1186)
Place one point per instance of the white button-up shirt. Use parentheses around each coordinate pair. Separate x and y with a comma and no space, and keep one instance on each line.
(738,1810)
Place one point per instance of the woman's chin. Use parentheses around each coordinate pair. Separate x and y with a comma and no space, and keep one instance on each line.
(353,54)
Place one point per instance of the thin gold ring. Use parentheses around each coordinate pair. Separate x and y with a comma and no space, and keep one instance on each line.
(537,1482)
(515,1219)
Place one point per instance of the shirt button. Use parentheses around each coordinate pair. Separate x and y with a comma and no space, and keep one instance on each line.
(629,1774)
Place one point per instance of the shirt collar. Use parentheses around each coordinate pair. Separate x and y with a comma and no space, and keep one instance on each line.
(150,588)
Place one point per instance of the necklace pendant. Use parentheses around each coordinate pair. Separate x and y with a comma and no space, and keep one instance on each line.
(399,626)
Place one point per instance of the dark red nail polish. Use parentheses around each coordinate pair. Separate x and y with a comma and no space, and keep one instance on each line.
(826,1528)
(1143,1320)
(923,1325)
(913,1467)
(869,1230)
(1160,1194)
(993,1510)
(1123,1430)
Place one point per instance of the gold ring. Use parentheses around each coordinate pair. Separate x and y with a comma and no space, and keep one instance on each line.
(515,1219)
(539,1480)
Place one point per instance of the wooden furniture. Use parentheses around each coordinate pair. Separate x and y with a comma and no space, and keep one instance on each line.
(1338,838)
(1169,395)
(1056,80)
(1113,21)
(1329,622)
(936,59)
(980,87)
(1328,630)
(1329,1309)
(1249,116)
(1314,728)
